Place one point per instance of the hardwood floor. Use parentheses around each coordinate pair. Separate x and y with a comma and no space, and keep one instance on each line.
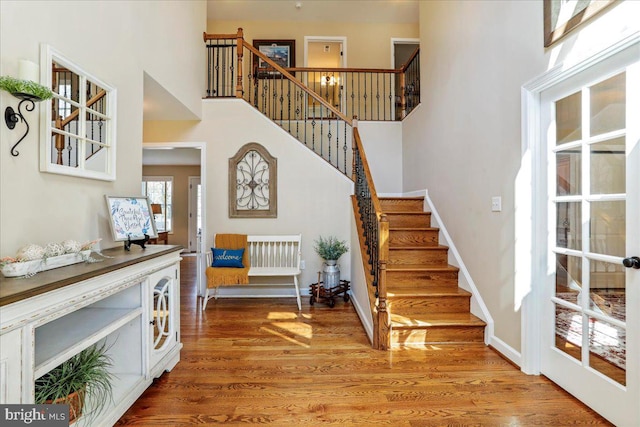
(259,361)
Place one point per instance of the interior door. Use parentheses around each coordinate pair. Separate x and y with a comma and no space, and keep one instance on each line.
(195,219)
(591,297)
(325,53)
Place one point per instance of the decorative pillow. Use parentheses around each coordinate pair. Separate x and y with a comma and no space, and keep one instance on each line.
(227,257)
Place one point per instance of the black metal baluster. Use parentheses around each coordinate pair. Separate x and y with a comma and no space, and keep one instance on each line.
(344,149)
(209,78)
(281,99)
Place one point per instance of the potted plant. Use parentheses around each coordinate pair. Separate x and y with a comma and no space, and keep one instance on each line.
(330,250)
(86,373)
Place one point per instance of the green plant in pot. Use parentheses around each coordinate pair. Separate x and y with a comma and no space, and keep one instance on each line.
(85,374)
(330,250)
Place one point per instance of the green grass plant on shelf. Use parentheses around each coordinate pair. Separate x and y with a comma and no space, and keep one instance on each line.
(17,86)
(84,375)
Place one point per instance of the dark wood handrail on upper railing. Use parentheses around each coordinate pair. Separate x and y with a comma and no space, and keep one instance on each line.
(374,242)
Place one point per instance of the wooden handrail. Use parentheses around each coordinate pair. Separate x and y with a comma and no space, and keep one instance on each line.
(296,82)
(97,97)
(206,36)
(345,70)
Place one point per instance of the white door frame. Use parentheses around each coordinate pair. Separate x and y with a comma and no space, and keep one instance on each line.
(331,39)
(394,42)
(193,214)
(531,206)
(202,146)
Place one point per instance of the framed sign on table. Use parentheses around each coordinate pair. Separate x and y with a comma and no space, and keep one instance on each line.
(282,52)
(131,218)
(562,16)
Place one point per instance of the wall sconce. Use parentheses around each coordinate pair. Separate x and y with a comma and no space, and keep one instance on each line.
(328,79)
(28,92)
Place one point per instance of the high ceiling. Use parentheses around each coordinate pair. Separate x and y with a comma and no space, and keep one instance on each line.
(397,11)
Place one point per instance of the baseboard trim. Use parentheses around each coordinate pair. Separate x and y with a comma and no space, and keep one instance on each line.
(506,350)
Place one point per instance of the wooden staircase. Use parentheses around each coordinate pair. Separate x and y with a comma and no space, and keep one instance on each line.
(426,305)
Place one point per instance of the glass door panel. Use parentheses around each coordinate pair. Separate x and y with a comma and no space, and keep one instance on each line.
(589,205)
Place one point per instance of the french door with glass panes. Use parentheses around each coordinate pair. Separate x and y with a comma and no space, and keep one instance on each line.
(591,301)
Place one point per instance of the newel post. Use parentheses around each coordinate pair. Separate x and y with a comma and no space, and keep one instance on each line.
(240,51)
(403,96)
(384,322)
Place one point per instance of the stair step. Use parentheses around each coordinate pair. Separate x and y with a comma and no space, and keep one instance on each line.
(437,299)
(436,328)
(401,236)
(420,276)
(432,291)
(426,256)
(409,219)
(402,204)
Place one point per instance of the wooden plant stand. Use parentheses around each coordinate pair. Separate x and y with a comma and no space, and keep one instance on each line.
(322,295)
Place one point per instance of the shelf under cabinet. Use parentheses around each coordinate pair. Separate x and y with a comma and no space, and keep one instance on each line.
(62,338)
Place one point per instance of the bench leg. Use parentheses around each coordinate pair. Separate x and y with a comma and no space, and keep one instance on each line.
(206,298)
(295,282)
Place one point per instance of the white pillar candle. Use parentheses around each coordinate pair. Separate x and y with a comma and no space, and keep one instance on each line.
(28,70)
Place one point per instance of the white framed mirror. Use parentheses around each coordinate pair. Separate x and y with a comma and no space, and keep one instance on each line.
(78,123)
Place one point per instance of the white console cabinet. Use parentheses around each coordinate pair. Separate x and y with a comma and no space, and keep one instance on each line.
(130,300)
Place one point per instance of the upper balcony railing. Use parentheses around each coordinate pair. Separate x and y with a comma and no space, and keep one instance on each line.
(368,94)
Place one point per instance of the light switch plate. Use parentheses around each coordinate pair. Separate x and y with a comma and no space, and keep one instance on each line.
(496,204)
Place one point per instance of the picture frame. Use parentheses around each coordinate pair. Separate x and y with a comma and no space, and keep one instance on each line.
(130,218)
(253,183)
(560,20)
(282,52)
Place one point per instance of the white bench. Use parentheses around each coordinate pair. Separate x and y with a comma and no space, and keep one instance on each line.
(269,256)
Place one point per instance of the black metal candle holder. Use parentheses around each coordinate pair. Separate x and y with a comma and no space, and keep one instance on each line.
(11,117)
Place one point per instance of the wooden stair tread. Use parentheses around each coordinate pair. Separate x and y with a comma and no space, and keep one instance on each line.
(435,320)
(421,267)
(414,229)
(420,248)
(405,212)
(432,291)
(401,198)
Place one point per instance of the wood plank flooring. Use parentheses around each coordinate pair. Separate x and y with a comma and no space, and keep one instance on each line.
(259,361)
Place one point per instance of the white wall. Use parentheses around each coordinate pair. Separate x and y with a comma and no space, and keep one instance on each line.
(359,288)
(382,143)
(313,197)
(464,143)
(174,54)
(107,40)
